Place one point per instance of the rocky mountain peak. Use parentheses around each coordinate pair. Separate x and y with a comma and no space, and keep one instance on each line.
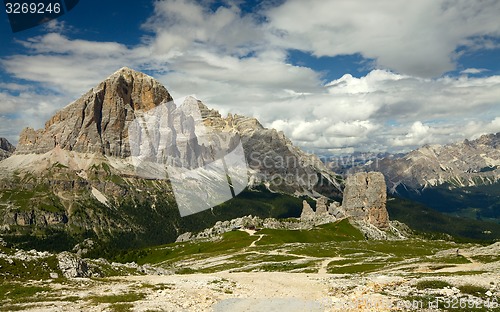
(492,140)
(137,89)
(98,121)
(98,125)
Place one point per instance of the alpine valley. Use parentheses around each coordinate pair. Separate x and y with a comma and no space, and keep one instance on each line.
(84,228)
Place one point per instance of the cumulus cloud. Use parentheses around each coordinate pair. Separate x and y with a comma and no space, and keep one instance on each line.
(65,65)
(419,38)
(26,109)
(386,111)
(181,25)
(418,134)
(238,62)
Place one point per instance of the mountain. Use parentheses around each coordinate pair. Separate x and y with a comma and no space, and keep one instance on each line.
(468,163)
(461,180)
(6,149)
(78,177)
(348,164)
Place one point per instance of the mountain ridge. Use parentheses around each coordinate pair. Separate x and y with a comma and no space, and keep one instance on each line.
(75,179)
(462,164)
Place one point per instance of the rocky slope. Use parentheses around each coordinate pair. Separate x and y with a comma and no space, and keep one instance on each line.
(468,163)
(79,174)
(364,204)
(6,149)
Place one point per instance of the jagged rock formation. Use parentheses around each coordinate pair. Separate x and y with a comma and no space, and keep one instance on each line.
(307,211)
(274,160)
(467,163)
(321,215)
(365,199)
(98,121)
(336,210)
(34,217)
(364,203)
(253,223)
(6,149)
(6,146)
(72,265)
(78,173)
(321,206)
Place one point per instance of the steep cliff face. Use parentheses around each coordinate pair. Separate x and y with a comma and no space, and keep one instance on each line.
(365,198)
(98,121)
(6,149)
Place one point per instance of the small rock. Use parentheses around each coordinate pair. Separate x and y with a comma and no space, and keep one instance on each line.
(184,237)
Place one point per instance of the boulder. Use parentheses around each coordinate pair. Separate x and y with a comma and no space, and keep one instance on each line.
(71,265)
(185,237)
(336,210)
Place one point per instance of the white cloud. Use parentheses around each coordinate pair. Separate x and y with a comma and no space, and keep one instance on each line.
(238,65)
(70,66)
(473,71)
(383,111)
(183,25)
(419,134)
(56,26)
(412,37)
(28,109)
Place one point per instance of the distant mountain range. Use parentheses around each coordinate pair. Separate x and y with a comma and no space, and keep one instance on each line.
(468,163)
(461,180)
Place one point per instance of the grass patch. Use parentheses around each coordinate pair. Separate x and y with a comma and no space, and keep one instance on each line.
(121,307)
(432,284)
(17,293)
(474,290)
(28,270)
(355,268)
(229,241)
(255,257)
(486,258)
(338,231)
(280,266)
(452,260)
(221,267)
(127,297)
(185,271)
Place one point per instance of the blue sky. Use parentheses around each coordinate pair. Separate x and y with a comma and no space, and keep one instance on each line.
(336,76)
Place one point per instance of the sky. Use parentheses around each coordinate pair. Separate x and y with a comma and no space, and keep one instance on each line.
(336,76)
